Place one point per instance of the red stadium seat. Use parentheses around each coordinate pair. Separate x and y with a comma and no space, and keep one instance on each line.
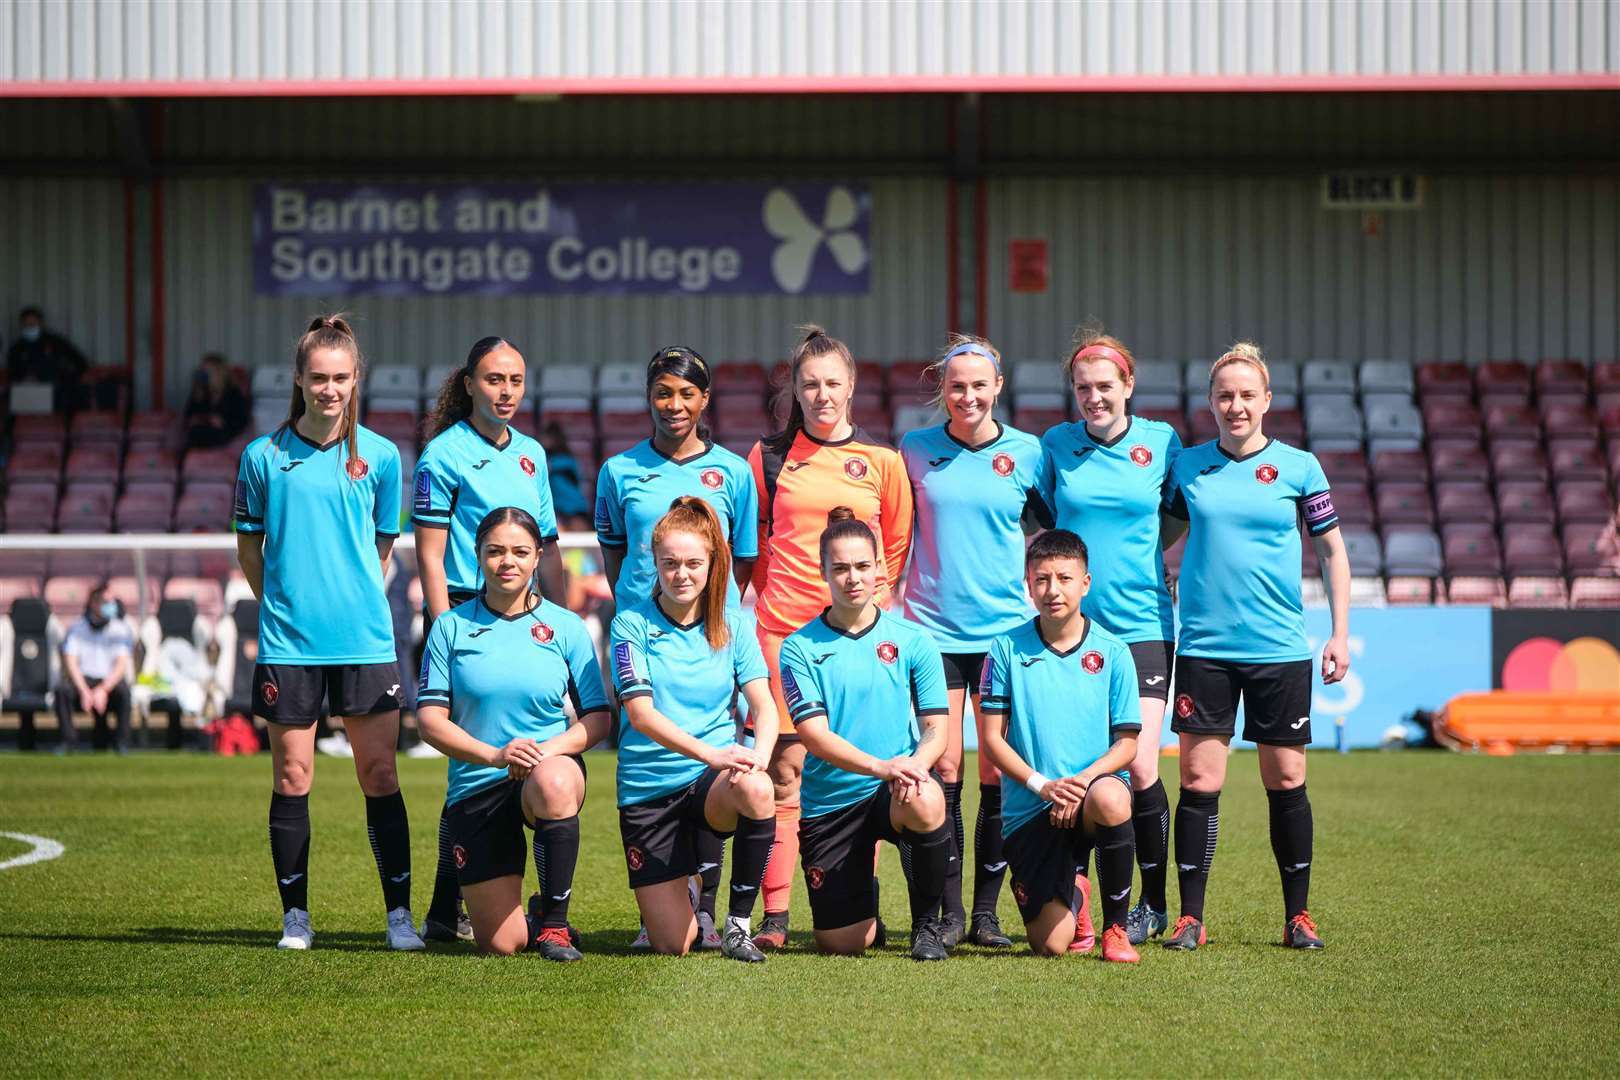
(1287,425)
(67,595)
(1451,419)
(1451,461)
(869,376)
(49,428)
(214,464)
(145,508)
(1038,422)
(1532,551)
(1518,461)
(1464,500)
(615,443)
(1592,549)
(620,425)
(34,461)
(1537,592)
(1204,427)
(86,508)
(150,464)
(1471,590)
(1503,377)
(160,428)
(97,427)
(1354,504)
(31,507)
(1569,420)
(1400,466)
(1609,419)
(1471,549)
(1405,504)
(1344,467)
(907,383)
(1584,500)
(1524,502)
(1410,590)
(93,461)
(1510,421)
(126,588)
(1593,592)
(396,426)
(1174,417)
(34,564)
(1577,461)
(743,378)
(1605,377)
(1449,378)
(203,509)
(13,587)
(1561,379)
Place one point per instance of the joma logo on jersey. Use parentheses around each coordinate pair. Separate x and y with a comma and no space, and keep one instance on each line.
(481,463)
(1266,474)
(481,631)
(290,466)
(1141,455)
(711,478)
(1207,469)
(1031,662)
(1092,662)
(1003,464)
(1083,451)
(936,462)
(649,478)
(822,659)
(888,652)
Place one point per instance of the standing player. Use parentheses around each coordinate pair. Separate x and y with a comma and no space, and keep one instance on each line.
(679,657)
(634,490)
(1061,717)
(474,462)
(317,511)
(1243,633)
(1104,478)
(973,481)
(498,673)
(861,682)
(819,461)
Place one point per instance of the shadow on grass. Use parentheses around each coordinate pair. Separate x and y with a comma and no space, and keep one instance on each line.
(256,938)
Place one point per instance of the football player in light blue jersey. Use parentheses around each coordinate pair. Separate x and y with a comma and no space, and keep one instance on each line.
(1104,477)
(1062,715)
(474,462)
(1244,497)
(500,673)
(317,511)
(866,693)
(634,490)
(973,487)
(679,658)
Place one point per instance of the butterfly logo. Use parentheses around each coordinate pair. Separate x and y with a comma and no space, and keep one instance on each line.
(802,238)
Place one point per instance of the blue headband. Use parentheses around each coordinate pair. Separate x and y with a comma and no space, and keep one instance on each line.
(975,349)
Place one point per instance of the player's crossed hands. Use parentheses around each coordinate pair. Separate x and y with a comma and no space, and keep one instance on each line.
(906,776)
(1067,795)
(520,756)
(737,761)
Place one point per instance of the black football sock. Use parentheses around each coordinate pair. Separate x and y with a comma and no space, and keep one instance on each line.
(389,830)
(711,852)
(750,851)
(556,852)
(289,848)
(989,864)
(951,909)
(1116,856)
(929,854)
(1198,824)
(1291,829)
(446,887)
(1150,816)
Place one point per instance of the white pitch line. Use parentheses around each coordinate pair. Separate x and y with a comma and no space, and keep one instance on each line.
(44,849)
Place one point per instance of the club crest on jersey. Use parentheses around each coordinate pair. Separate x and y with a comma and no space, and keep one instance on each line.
(1184,705)
(815,876)
(461,857)
(1266,474)
(711,478)
(1092,662)
(1003,464)
(269,692)
(541,633)
(855,468)
(1141,455)
(634,857)
(526,465)
(358,469)
(888,652)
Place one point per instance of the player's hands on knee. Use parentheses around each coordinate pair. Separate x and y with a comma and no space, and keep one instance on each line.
(1335,660)
(737,760)
(520,756)
(906,776)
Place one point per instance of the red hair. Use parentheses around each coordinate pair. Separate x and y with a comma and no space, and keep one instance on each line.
(690,514)
(1092,344)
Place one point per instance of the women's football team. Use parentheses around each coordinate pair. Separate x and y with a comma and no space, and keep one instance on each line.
(894,589)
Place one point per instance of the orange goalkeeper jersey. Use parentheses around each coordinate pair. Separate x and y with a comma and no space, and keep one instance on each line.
(796,490)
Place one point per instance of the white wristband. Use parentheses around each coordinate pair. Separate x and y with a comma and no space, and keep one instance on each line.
(1035,783)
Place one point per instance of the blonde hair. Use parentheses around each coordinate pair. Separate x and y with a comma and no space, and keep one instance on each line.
(935,372)
(1243,352)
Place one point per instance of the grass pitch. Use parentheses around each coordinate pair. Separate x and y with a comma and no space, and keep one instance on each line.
(1463,900)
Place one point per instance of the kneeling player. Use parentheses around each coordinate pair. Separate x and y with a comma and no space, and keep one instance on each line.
(1060,698)
(851,678)
(497,672)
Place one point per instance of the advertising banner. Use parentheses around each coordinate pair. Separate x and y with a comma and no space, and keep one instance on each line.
(1563,651)
(460,239)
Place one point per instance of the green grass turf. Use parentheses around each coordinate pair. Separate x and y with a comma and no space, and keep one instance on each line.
(1463,899)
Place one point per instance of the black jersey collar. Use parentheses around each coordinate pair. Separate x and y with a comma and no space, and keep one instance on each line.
(708,444)
(1000,430)
(845,441)
(1109,443)
(845,633)
(497,445)
(1085,633)
(307,441)
(1252,453)
(677,625)
(538,600)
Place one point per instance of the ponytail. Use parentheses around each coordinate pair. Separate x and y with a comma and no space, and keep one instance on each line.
(842,524)
(454,403)
(686,364)
(328,332)
(690,514)
(815,343)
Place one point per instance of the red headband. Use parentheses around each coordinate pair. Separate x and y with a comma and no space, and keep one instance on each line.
(1104,352)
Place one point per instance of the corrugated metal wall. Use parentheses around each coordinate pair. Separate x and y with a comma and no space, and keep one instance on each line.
(211,303)
(62,248)
(249,40)
(1180,267)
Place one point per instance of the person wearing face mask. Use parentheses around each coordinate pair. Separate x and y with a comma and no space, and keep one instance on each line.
(1104,478)
(97,659)
(475,461)
(217,411)
(973,481)
(41,356)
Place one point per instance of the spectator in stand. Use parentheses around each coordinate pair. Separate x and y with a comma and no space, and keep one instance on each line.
(42,356)
(218,410)
(562,470)
(97,662)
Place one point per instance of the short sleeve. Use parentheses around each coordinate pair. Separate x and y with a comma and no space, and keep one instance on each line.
(584,673)
(385,510)
(1124,700)
(800,690)
(632,676)
(609,512)
(432,493)
(747,661)
(1046,480)
(75,640)
(250,493)
(995,679)
(1174,502)
(744,516)
(1316,500)
(928,678)
(433,684)
(547,517)
(123,637)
